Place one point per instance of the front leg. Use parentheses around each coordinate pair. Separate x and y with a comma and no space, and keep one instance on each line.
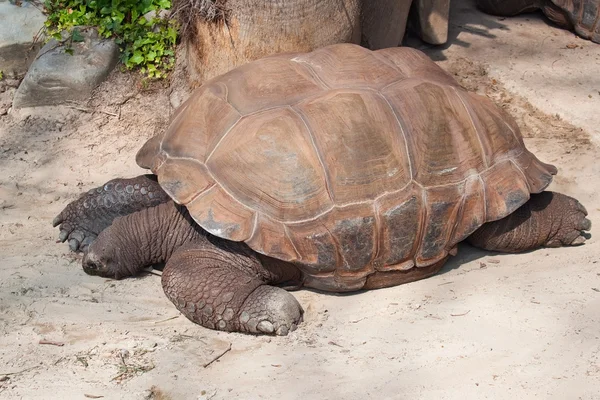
(548,219)
(223,285)
(82,220)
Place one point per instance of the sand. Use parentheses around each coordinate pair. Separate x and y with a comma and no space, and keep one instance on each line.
(488,326)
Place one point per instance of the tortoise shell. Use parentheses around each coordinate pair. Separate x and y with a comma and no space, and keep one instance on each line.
(344,161)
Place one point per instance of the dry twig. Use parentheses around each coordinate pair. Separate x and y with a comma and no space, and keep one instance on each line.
(51,342)
(218,356)
(460,315)
(21,371)
(166,319)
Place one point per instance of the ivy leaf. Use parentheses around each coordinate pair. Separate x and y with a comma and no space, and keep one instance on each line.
(151,55)
(164,4)
(147,46)
(77,36)
(137,57)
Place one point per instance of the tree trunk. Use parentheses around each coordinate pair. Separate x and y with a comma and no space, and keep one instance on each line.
(384,22)
(257,28)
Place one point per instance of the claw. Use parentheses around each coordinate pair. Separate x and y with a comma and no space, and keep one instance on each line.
(63,235)
(265,327)
(73,244)
(77,235)
(57,220)
(86,243)
(586,225)
(282,331)
(578,240)
(581,208)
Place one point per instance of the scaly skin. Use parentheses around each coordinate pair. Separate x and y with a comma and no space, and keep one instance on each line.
(548,219)
(222,286)
(225,285)
(137,240)
(83,219)
(215,283)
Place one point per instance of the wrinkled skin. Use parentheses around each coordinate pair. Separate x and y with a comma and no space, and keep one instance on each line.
(225,285)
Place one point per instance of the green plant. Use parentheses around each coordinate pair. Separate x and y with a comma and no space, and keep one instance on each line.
(147,42)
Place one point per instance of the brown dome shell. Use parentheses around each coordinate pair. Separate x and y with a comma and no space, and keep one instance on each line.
(345,161)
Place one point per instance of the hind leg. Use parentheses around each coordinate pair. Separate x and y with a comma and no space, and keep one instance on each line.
(548,219)
(83,219)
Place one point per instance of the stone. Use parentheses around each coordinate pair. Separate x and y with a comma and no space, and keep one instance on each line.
(57,77)
(20,23)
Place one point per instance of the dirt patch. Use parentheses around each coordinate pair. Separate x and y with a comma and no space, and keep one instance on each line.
(527,322)
(533,122)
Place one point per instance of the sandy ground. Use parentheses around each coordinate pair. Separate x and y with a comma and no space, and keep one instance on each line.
(489,326)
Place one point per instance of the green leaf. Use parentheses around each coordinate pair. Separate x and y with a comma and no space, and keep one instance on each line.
(137,58)
(164,4)
(117,16)
(76,36)
(147,46)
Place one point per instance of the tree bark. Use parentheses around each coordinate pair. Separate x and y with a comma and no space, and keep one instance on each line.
(384,22)
(257,28)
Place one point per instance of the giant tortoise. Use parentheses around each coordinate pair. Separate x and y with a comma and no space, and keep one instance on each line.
(339,170)
(581,16)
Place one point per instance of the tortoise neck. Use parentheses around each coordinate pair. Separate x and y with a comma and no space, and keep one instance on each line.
(164,229)
(151,236)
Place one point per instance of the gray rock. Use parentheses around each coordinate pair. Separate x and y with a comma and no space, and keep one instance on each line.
(57,77)
(19,24)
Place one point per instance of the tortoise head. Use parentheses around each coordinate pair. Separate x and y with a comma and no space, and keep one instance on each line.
(99,261)
(108,259)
